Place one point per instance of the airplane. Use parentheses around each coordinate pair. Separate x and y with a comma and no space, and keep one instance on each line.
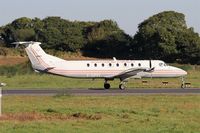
(104,69)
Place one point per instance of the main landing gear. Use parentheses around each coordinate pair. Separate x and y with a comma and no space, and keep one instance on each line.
(121,85)
(106,85)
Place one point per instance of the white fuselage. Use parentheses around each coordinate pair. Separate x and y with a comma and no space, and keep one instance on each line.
(98,68)
(109,68)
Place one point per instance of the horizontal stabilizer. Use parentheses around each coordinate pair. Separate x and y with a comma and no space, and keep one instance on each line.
(25,43)
(2,84)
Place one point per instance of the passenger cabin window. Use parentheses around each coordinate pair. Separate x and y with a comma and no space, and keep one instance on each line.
(117,64)
(110,64)
(88,65)
(95,65)
(125,64)
(132,64)
(102,65)
(139,64)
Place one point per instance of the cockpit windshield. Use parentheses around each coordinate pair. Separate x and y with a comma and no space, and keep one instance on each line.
(165,64)
(161,64)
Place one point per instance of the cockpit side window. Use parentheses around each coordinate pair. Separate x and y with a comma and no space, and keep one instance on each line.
(161,64)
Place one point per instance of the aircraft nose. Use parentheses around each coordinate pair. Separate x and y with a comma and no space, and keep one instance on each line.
(183,72)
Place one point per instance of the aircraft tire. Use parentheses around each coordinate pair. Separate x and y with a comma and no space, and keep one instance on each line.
(107,86)
(122,87)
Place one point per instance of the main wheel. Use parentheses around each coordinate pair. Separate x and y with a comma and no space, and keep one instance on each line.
(122,86)
(107,86)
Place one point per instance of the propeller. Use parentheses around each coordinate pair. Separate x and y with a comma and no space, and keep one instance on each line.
(150,64)
(150,67)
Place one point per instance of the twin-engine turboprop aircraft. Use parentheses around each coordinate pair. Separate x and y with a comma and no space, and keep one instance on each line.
(106,69)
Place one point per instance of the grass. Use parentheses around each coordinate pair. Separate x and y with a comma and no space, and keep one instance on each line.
(11,61)
(74,114)
(45,81)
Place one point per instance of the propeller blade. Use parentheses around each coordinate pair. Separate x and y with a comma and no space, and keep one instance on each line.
(150,64)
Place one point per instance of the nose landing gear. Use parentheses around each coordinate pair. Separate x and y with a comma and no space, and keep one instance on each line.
(183,82)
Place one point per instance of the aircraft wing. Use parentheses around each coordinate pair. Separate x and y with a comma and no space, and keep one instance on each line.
(131,72)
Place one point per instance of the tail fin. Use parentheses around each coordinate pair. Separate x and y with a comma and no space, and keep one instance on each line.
(39,59)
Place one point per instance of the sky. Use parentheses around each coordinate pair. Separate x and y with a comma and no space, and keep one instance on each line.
(127,13)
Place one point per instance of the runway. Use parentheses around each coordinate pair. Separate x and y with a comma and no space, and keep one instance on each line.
(138,91)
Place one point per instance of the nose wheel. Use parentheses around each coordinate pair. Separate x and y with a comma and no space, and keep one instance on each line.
(183,83)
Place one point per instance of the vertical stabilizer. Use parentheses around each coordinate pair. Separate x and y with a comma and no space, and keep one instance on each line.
(36,55)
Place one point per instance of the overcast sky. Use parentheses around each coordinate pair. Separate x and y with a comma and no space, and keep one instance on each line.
(127,13)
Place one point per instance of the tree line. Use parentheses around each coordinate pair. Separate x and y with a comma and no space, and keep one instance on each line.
(162,36)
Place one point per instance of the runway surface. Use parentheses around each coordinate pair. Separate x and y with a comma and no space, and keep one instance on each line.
(137,91)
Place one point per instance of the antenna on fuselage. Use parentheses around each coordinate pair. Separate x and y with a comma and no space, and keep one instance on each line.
(114,59)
